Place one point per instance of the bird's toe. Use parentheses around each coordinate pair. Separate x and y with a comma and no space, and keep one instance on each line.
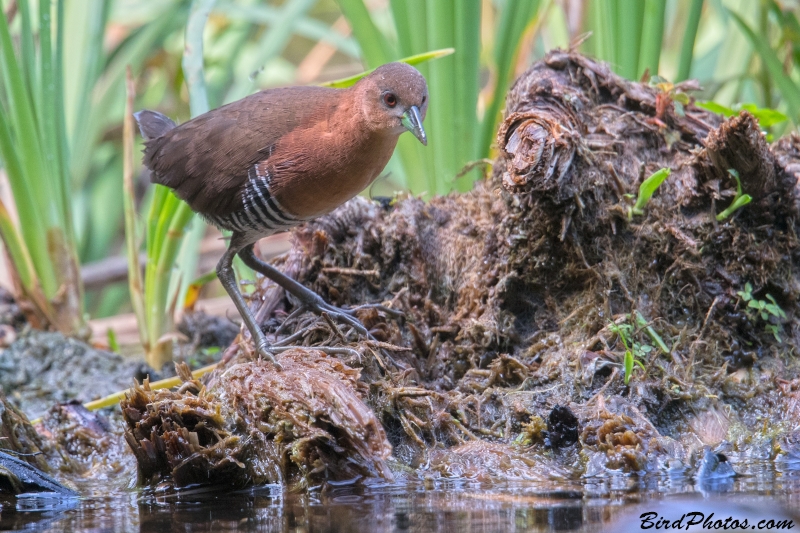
(264,352)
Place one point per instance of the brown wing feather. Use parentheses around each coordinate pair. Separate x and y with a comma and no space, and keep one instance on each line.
(206,160)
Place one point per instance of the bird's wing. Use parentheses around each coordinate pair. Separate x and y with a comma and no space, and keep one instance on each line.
(206,160)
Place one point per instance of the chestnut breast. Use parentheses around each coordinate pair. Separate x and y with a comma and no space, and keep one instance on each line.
(316,169)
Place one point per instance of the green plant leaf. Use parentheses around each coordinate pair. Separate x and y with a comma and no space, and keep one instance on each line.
(648,188)
(133,240)
(411,60)
(738,203)
(680,98)
(788,88)
(516,16)
(193,56)
(628,365)
(746,296)
(766,117)
(270,45)
(629,39)
(308,27)
(689,37)
(775,330)
(113,345)
(642,323)
(714,107)
(652,35)
(374,46)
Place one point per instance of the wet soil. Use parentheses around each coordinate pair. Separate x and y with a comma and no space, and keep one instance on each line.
(40,369)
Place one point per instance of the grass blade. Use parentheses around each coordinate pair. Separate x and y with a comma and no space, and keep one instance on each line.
(608,29)
(193,56)
(689,37)
(412,60)
(17,251)
(272,44)
(631,20)
(51,140)
(132,238)
(652,36)
(412,37)
(788,88)
(23,266)
(27,51)
(515,17)
(374,47)
(34,217)
(92,59)
(441,81)
(198,103)
(62,146)
(464,132)
(307,27)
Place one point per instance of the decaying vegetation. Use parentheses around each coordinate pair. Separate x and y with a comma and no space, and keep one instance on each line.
(520,300)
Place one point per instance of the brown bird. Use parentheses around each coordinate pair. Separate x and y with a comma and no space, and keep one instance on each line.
(280,157)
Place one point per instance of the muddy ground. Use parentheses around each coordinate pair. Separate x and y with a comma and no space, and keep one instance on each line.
(551,329)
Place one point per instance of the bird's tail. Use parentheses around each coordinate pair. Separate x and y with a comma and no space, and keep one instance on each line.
(152,124)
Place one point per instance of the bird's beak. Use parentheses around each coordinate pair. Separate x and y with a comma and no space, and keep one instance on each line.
(413,123)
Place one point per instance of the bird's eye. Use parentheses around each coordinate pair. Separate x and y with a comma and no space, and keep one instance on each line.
(424,98)
(389,99)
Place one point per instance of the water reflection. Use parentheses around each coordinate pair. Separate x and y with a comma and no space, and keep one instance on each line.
(457,506)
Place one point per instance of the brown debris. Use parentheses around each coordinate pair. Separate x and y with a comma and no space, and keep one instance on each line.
(255,425)
(512,298)
(739,144)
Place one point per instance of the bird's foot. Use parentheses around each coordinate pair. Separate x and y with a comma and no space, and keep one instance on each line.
(378,307)
(264,352)
(346,317)
(314,303)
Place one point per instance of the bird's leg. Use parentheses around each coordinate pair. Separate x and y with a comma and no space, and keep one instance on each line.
(310,300)
(227,276)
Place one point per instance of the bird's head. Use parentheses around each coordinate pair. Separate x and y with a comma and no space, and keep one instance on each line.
(394,98)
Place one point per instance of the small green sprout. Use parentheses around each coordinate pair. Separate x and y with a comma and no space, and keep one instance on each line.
(669,92)
(764,309)
(740,200)
(113,345)
(633,350)
(646,191)
(642,323)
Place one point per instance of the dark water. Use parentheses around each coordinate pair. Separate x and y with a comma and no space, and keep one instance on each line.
(611,504)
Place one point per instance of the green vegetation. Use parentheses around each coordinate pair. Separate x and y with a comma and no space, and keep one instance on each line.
(628,332)
(646,191)
(412,60)
(766,117)
(34,148)
(634,351)
(154,300)
(739,200)
(641,323)
(767,310)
